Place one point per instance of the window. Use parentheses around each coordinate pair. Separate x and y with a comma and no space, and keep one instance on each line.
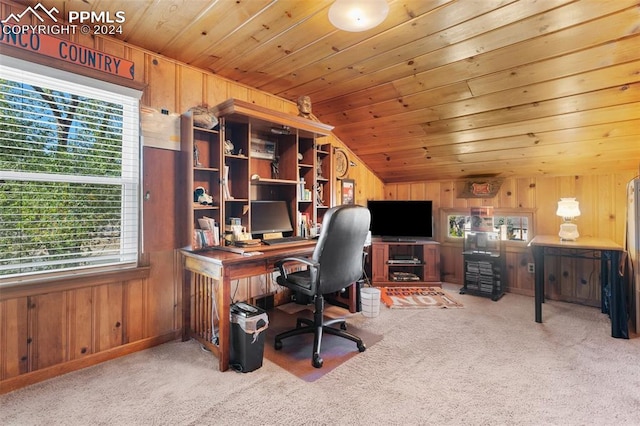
(513,225)
(69,173)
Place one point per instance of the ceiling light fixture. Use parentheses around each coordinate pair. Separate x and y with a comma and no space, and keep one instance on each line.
(358,15)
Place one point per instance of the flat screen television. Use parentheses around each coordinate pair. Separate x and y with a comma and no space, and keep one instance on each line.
(401,220)
(270,216)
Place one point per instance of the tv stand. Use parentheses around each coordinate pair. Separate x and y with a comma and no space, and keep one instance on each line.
(397,240)
(399,263)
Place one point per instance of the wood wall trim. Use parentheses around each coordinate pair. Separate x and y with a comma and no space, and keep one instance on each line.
(32,288)
(37,376)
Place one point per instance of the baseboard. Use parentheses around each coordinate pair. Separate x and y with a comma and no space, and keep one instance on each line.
(37,376)
(521,291)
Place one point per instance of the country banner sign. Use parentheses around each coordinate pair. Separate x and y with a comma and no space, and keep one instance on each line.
(67,51)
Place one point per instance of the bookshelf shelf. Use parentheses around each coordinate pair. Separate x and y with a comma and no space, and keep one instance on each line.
(203,207)
(263,181)
(206,169)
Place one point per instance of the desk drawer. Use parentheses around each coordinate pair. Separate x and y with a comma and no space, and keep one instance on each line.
(249,269)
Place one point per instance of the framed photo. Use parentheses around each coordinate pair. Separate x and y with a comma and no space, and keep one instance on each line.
(348,191)
(513,225)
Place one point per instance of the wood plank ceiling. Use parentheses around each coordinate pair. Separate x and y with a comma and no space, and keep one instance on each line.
(442,89)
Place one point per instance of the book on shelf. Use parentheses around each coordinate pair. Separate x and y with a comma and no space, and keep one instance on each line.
(304,224)
(207,236)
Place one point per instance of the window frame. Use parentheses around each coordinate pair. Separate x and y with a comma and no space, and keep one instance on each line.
(458,211)
(130,177)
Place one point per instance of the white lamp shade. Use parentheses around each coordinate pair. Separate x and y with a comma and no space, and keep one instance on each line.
(568,207)
(358,15)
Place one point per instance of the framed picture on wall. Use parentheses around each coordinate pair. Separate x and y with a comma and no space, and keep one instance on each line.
(348,191)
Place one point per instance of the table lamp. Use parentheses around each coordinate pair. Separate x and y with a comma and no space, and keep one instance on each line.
(568,208)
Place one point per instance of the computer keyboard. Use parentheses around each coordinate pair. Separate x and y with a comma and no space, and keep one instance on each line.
(284,240)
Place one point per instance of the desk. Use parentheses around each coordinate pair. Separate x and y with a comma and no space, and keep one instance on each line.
(206,290)
(611,285)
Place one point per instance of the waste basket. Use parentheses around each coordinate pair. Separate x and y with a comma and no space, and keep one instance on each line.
(248,325)
(370,297)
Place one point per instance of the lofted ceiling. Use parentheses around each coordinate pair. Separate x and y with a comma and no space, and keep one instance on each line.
(442,89)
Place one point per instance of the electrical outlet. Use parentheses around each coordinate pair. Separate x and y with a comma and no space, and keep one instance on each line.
(531,267)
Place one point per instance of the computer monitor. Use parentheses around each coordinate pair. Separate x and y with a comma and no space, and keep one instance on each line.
(270,216)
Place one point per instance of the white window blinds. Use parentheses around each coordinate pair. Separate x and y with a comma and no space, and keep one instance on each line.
(69,173)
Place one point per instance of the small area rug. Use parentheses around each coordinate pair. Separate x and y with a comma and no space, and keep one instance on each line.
(418,297)
(295,355)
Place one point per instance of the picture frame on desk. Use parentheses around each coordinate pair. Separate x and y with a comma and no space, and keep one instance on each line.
(348,191)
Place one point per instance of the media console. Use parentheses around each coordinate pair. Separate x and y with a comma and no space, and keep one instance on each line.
(405,263)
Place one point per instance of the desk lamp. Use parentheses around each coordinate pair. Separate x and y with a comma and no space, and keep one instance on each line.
(568,208)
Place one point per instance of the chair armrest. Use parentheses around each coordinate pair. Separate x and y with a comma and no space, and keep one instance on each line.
(303,260)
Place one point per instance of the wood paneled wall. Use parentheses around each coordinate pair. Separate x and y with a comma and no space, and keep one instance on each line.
(46,331)
(602,200)
(603,214)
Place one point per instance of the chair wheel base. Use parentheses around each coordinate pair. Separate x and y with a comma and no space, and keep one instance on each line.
(277,345)
(362,347)
(317,361)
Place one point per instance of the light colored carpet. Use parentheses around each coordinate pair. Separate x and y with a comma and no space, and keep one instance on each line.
(486,364)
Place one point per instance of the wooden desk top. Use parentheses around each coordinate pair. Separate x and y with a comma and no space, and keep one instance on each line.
(263,253)
(589,243)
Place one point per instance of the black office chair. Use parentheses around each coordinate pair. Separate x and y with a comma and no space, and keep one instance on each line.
(335,264)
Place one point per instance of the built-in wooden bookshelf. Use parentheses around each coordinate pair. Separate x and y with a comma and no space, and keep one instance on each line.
(258,154)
